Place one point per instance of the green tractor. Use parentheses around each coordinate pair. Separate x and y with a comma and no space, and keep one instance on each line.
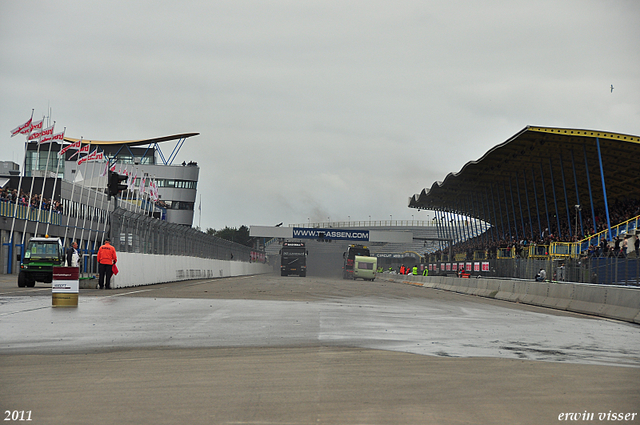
(40,256)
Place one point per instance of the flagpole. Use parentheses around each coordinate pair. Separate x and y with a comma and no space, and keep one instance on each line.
(95,200)
(84,219)
(73,189)
(75,228)
(44,181)
(129,206)
(26,220)
(55,183)
(24,166)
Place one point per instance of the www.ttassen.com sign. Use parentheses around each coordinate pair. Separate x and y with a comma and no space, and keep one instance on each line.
(334,234)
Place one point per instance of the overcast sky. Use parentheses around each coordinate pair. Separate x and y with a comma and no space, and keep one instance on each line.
(310,110)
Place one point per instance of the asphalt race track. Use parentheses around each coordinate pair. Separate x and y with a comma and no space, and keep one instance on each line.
(289,350)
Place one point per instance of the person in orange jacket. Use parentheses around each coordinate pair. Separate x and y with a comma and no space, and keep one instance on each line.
(106,259)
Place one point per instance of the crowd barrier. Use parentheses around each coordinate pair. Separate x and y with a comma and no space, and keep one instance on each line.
(614,302)
(135,269)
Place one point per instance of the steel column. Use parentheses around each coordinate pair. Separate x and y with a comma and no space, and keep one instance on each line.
(575,179)
(593,213)
(493,201)
(526,194)
(524,228)
(506,207)
(495,225)
(604,190)
(566,199)
(555,199)
(546,204)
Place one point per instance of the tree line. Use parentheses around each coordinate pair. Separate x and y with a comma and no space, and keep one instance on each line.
(240,235)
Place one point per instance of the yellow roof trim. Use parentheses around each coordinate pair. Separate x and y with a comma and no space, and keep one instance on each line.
(586,133)
(134,142)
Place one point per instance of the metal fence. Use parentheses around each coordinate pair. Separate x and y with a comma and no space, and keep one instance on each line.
(133,232)
(598,270)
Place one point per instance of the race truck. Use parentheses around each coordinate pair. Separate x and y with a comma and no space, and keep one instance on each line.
(293,259)
(349,259)
(40,255)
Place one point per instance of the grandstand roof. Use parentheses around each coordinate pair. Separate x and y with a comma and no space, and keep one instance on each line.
(501,187)
(135,142)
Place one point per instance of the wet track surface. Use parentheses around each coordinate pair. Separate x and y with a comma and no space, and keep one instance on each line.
(276,350)
(271,311)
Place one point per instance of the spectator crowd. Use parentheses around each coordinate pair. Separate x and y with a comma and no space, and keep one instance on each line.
(11,195)
(494,239)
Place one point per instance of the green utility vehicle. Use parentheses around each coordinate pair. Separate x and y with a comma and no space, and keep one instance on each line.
(40,255)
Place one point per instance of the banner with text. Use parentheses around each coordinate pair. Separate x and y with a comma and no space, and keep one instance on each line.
(333,234)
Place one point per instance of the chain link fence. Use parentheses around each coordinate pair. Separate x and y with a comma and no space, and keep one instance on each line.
(133,232)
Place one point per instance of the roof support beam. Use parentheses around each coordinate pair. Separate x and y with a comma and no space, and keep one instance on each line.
(546,204)
(593,213)
(604,189)
(535,196)
(566,199)
(575,180)
(555,198)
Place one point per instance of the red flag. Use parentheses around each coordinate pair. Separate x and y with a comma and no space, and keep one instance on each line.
(22,129)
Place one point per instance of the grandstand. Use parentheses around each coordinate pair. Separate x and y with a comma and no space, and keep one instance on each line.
(548,194)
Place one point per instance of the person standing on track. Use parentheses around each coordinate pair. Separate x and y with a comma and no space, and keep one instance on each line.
(106,259)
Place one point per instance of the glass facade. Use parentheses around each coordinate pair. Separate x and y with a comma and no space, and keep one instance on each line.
(37,161)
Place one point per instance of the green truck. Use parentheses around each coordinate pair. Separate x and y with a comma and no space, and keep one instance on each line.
(40,255)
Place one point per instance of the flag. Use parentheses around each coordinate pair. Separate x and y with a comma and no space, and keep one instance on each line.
(37,127)
(105,170)
(142,188)
(113,167)
(46,133)
(86,149)
(46,139)
(77,145)
(22,129)
(58,137)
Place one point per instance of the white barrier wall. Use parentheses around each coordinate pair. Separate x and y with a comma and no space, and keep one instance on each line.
(146,269)
(615,302)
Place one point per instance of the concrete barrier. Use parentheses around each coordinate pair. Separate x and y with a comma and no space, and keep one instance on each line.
(536,293)
(588,299)
(560,296)
(613,302)
(621,304)
(146,269)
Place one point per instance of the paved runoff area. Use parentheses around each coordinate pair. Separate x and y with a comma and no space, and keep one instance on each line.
(290,350)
